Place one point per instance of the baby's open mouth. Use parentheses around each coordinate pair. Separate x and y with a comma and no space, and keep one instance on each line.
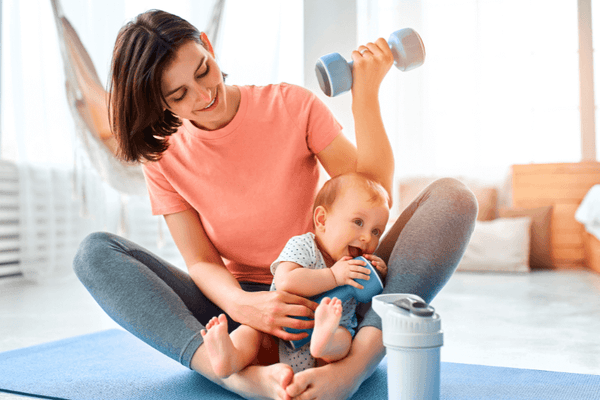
(355,251)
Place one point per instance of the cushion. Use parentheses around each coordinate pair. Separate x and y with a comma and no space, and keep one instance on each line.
(501,245)
(487,196)
(487,200)
(540,255)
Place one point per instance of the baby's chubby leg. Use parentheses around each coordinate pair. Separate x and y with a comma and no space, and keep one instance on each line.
(230,354)
(330,341)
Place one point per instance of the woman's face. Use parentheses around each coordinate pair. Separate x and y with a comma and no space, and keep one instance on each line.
(194,89)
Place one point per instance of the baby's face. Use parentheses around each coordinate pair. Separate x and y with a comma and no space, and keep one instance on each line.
(353,225)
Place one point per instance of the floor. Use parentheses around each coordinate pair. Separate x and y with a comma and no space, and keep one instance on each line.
(546,320)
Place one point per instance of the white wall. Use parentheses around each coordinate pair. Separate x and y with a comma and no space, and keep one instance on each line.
(330,27)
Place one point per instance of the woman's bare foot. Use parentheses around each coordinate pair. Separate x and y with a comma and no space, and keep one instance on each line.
(280,376)
(261,382)
(221,351)
(322,383)
(327,320)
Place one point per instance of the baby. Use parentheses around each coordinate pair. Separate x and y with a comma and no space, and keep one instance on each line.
(349,215)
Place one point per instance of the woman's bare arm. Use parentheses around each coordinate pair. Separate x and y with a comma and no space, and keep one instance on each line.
(372,154)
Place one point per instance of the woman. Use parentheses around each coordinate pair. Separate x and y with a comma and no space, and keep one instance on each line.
(234,171)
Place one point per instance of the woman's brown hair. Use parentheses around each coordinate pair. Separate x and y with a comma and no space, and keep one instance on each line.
(143,49)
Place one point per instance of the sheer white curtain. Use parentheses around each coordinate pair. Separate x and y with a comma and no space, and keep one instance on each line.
(499,85)
(261,43)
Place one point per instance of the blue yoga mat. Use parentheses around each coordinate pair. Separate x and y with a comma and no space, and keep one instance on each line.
(114,364)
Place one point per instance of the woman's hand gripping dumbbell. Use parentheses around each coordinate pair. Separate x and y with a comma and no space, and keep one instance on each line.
(334,73)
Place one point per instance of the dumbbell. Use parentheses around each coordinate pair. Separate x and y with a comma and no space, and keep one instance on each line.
(334,73)
(371,287)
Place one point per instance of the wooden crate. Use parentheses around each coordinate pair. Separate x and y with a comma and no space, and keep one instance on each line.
(562,186)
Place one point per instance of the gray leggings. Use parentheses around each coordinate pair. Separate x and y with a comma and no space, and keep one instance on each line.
(161,305)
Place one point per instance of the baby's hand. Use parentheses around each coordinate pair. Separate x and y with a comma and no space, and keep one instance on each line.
(347,269)
(378,263)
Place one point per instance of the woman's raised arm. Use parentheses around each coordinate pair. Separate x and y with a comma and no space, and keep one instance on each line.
(373,154)
(374,157)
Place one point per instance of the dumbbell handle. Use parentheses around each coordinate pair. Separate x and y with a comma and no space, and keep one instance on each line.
(334,73)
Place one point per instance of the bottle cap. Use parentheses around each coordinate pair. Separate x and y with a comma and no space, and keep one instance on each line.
(408,322)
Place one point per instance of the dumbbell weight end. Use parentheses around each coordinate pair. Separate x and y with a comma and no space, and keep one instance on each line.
(407,48)
(334,74)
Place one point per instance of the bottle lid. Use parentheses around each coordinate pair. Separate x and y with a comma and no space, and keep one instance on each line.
(408,322)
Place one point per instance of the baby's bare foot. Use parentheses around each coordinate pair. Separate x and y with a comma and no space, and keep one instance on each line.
(327,320)
(219,346)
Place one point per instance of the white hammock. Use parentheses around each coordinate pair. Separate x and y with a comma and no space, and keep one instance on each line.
(87,102)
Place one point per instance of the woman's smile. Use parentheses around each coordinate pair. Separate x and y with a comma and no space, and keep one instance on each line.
(213,104)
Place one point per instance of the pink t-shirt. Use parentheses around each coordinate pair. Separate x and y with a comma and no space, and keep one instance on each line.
(252,182)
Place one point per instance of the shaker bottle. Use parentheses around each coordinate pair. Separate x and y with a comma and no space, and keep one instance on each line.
(412,336)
